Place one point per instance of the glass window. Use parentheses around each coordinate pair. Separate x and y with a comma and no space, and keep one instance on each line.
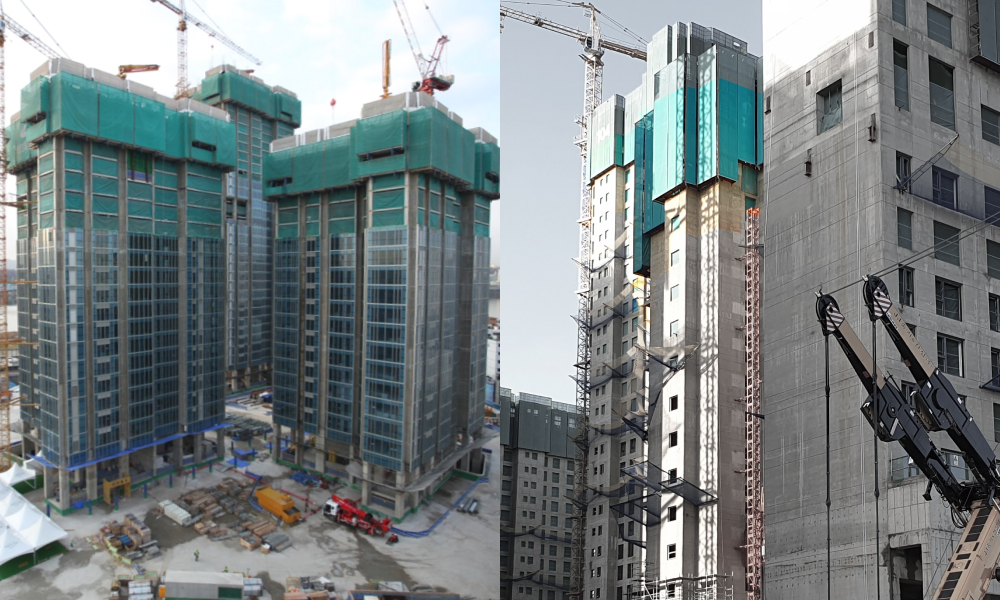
(904,228)
(949,355)
(675,292)
(675,327)
(675,257)
(675,223)
(830,107)
(903,170)
(994,312)
(942,88)
(992,206)
(906,286)
(948,299)
(899,11)
(993,259)
(946,246)
(996,422)
(991,125)
(945,188)
(994,363)
(901,76)
(938,25)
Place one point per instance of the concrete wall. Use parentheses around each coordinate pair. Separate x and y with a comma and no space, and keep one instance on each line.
(827,230)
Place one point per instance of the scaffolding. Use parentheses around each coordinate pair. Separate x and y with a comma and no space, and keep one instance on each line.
(754,416)
(709,587)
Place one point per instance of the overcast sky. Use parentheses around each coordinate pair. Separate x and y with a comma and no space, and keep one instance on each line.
(319,49)
(536,234)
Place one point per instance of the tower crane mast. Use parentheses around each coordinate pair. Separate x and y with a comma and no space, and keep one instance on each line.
(183,85)
(8,342)
(594,46)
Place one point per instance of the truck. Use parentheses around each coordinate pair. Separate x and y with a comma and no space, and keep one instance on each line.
(278,504)
(349,513)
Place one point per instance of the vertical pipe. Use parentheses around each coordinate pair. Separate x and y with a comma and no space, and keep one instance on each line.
(878,580)
(829,593)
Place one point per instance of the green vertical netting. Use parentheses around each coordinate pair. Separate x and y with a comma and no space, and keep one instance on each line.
(150,124)
(163,228)
(47,220)
(308,168)
(312,214)
(103,166)
(204,215)
(35,97)
(46,182)
(690,135)
(73,161)
(104,185)
(139,190)
(165,196)
(166,213)
(103,204)
(74,102)
(337,161)
(73,219)
(116,115)
(73,200)
(388,199)
(104,223)
(138,208)
(286,216)
(288,231)
(388,218)
(312,229)
(340,226)
(381,132)
(167,180)
(46,202)
(139,225)
(341,210)
(198,230)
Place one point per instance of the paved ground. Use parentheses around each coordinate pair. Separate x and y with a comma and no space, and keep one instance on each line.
(460,556)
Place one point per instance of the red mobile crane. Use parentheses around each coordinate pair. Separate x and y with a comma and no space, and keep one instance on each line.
(349,513)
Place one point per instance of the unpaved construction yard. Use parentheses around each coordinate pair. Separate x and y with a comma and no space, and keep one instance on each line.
(461,555)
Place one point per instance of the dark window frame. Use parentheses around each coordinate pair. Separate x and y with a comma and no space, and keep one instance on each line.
(945,305)
(907,294)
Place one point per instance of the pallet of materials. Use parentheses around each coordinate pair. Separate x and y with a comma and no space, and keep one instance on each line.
(175,513)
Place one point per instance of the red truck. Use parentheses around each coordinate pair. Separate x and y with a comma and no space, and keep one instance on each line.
(349,513)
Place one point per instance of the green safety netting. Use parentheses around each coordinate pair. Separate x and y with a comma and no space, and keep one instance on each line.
(230,86)
(73,103)
(307,168)
(380,133)
(437,142)
(487,178)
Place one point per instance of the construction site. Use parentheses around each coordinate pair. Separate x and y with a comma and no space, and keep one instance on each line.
(249,362)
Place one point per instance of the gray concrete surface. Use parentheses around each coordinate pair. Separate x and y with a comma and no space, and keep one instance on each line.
(460,556)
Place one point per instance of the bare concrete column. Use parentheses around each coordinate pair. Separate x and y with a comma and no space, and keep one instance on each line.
(220,443)
(366,490)
(400,505)
(64,494)
(49,481)
(198,438)
(276,442)
(91,474)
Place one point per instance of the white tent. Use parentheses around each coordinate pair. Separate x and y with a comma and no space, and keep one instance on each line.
(16,474)
(11,545)
(24,528)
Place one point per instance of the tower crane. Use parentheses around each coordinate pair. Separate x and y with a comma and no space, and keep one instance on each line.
(594,46)
(430,80)
(9,342)
(183,87)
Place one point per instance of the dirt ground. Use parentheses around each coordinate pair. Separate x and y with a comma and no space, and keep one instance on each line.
(461,556)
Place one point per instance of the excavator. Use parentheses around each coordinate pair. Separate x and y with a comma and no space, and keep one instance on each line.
(934,406)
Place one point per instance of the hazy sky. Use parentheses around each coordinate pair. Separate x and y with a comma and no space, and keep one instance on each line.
(535,232)
(319,49)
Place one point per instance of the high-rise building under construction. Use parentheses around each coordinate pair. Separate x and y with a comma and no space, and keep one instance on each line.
(121,246)
(883,157)
(673,169)
(261,114)
(381,266)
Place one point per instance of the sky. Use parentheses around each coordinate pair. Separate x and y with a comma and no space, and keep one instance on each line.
(536,233)
(319,49)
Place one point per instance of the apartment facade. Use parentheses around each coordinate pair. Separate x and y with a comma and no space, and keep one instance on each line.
(673,168)
(883,156)
(536,529)
(261,114)
(120,242)
(381,296)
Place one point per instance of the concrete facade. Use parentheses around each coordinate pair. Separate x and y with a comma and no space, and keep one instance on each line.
(674,166)
(830,216)
(535,508)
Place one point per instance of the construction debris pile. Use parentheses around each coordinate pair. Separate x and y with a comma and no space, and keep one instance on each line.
(309,588)
(129,541)
(205,508)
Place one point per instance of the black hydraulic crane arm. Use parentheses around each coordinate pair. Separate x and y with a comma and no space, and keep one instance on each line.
(938,405)
(895,420)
